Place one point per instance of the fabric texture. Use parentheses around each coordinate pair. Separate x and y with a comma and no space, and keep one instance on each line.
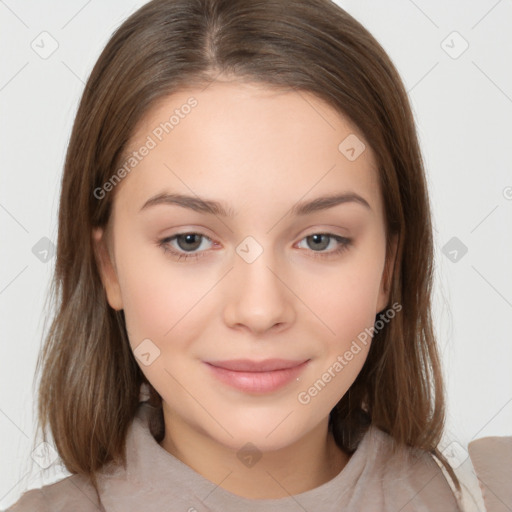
(373,480)
(492,460)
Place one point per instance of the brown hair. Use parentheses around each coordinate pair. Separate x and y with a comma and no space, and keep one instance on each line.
(89,389)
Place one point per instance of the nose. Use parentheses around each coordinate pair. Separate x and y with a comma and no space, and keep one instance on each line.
(257,296)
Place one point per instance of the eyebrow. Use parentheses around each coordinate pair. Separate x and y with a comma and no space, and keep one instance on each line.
(212,207)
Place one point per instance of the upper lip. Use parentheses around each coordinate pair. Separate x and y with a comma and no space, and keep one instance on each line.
(247,365)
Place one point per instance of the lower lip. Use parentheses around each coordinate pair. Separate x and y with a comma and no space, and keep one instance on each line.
(257,382)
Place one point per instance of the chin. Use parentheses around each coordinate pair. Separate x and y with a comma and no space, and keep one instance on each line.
(267,433)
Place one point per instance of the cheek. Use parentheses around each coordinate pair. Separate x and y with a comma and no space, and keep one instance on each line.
(346,310)
(152,297)
(345,300)
(163,301)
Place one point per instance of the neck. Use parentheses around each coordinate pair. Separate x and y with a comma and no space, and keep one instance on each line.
(310,462)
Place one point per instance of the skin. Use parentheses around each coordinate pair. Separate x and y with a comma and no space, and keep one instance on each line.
(260,151)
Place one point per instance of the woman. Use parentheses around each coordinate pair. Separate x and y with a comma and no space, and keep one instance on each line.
(280,375)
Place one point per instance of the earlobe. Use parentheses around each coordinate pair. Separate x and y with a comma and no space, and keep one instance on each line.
(106,269)
(387,276)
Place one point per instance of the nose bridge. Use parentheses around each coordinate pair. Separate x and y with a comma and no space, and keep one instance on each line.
(255,266)
(260,298)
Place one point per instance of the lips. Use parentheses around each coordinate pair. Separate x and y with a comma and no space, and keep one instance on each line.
(247,365)
(256,377)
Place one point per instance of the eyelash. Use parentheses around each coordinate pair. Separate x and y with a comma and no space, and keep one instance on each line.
(164,244)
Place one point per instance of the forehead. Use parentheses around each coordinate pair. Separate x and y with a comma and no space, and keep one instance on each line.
(247,144)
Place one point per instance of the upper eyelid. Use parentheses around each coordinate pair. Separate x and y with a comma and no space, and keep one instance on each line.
(191,232)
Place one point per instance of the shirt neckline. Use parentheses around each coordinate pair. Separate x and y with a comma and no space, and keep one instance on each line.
(151,469)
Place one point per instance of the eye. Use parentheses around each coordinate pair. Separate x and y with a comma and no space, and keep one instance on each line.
(341,244)
(186,241)
(190,242)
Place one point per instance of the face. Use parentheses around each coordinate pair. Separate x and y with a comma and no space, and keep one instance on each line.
(264,279)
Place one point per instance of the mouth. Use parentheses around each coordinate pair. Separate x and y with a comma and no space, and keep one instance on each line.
(257,376)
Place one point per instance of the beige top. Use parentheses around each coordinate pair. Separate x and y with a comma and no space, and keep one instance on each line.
(155,481)
(491,458)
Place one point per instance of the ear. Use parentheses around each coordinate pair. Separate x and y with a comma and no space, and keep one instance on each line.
(387,276)
(107,269)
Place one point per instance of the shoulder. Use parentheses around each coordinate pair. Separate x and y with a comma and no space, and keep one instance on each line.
(74,492)
(412,476)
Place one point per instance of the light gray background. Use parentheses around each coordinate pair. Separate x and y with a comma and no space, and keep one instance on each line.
(463,110)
